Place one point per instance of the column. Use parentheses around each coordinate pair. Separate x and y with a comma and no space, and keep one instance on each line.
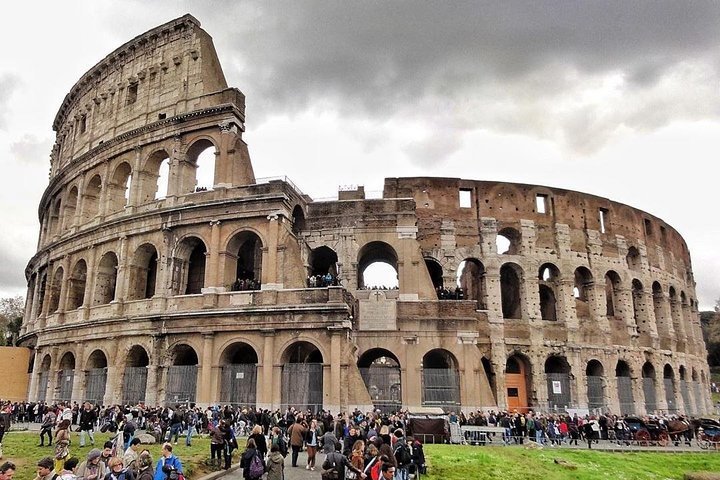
(335,369)
(89,284)
(78,390)
(269,261)
(35,377)
(151,390)
(213,275)
(115,370)
(122,280)
(267,375)
(205,394)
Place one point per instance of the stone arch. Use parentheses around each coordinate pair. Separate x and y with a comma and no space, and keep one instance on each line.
(182,373)
(96,377)
(548,285)
(298,220)
(583,293)
(238,371)
(91,198)
(613,285)
(143,272)
(638,306)
(441,379)
(372,253)
(381,372)
(70,208)
(189,272)
(44,377)
(623,377)
(508,241)
(56,290)
(518,382)
(595,375)
(648,376)
(66,377)
(669,387)
(558,375)
(154,177)
(472,281)
(118,188)
(246,248)
(435,270)
(55,222)
(106,279)
(77,284)
(135,375)
(323,260)
(633,260)
(663,323)
(511,281)
(489,371)
(205,167)
(302,376)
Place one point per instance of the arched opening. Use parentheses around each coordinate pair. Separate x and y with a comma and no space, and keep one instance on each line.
(661,321)
(471,280)
(41,293)
(490,375)
(633,259)
(78,280)
(66,377)
(189,271)
(583,293)
(624,385)
(595,373)
(517,383)
(302,377)
(298,220)
(648,376)
(638,306)
(135,377)
(247,248)
(377,266)
(55,218)
(106,279)
(697,395)
(508,241)
(323,267)
(612,291)
(548,282)
(435,271)
(155,177)
(239,375)
(55,290)
(143,272)
(71,203)
(119,188)
(91,198)
(685,391)
(380,370)
(669,386)
(182,376)
(441,380)
(510,285)
(557,372)
(96,377)
(43,379)
(202,154)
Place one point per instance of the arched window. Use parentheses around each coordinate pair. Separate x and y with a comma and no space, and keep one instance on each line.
(71,204)
(518,379)
(202,154)
(323,267)
(78,280)
(247,272)
(508,241)
(239,374)
(155,177)
(380,370)
(143,272)
(648,373)
(96,377)
(298,220)
(66,377)
(106,279)
(441,379)
(510,290)
(377,266)
(624,385)
(548,282)
(135,376)
(612,290)
(436,273)
(584,292)
(633,259)
(189,271)
(182,375)
(302,377)
(669,386)
(91,198)
(557,371)
(119,188)
(595,385)
(638,305)
(56,290)
(471,280)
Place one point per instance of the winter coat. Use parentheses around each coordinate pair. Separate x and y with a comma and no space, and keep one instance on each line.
(275,466)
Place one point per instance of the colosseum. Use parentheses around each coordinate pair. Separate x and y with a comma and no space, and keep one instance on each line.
(147,288)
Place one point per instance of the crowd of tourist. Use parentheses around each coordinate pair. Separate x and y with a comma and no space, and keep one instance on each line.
(321,281)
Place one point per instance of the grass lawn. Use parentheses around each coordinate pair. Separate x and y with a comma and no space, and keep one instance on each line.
(21,448)
(454,462)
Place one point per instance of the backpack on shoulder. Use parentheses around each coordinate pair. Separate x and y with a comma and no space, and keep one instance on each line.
(402,454)
(329,468)
(256,469)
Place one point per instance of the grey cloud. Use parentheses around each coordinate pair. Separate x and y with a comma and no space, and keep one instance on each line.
(12,268)
(8,85)
(31,150)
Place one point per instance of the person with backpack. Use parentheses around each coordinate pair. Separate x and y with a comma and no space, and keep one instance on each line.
(335,464)
(251,462)
(402,454)
(168,466)
(275,464)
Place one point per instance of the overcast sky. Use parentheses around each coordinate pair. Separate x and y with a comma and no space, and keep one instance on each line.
(619,99)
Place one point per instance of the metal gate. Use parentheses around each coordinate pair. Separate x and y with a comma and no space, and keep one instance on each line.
(181,384)
(441,387)
(134,384)
(383,385)
(558,387)
(698,398)
(66,379)
(95,380)
(649,394)
(43,382)
(670,395)
(685,391)
(302,386)
(239,384)
(625,395)
(595,393)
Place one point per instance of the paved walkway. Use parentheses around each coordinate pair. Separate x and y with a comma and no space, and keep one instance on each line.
(291,473)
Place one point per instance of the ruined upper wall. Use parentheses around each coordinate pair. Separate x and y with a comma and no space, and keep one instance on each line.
(157,75)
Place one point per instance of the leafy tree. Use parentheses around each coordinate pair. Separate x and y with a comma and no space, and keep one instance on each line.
(11,316)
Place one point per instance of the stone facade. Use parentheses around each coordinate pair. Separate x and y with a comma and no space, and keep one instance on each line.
(134,296)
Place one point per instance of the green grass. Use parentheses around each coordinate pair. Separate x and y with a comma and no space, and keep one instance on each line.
(21,448)
(451,462)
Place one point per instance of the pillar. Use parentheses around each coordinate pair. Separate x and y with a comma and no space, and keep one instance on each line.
(213,274)
(268,374)
(205,394)
(35,378)
(333,401)
(269,260)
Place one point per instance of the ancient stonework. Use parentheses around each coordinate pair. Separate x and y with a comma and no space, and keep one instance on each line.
(141,294)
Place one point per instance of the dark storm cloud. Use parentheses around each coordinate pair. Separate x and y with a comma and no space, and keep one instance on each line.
(508,60)
(8,84)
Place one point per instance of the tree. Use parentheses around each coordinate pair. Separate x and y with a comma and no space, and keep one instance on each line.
(11,316)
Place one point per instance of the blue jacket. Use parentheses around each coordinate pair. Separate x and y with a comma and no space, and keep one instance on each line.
(171,461)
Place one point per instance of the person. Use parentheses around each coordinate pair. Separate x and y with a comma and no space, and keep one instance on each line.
(69,471)
(277,438)
(231,444)
(388,471)
(62,444)
(402,454)
(275,464)
(249,459)
(357,457)
(118,470)
(259,437)
(175,424)
(191,419)
(131,455)
(339,462)
(45,469)
(144,466)
(92,468)
(297,434)
(46,426)
(106,454)
(312,436)
(87,420)
(217,442)
(167,463)
(7,470)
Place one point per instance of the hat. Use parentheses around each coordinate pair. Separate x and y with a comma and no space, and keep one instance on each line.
(93,454)
(46,462)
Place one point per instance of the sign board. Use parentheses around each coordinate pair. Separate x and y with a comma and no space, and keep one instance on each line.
(556,387)
(378,312)
(239,375)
